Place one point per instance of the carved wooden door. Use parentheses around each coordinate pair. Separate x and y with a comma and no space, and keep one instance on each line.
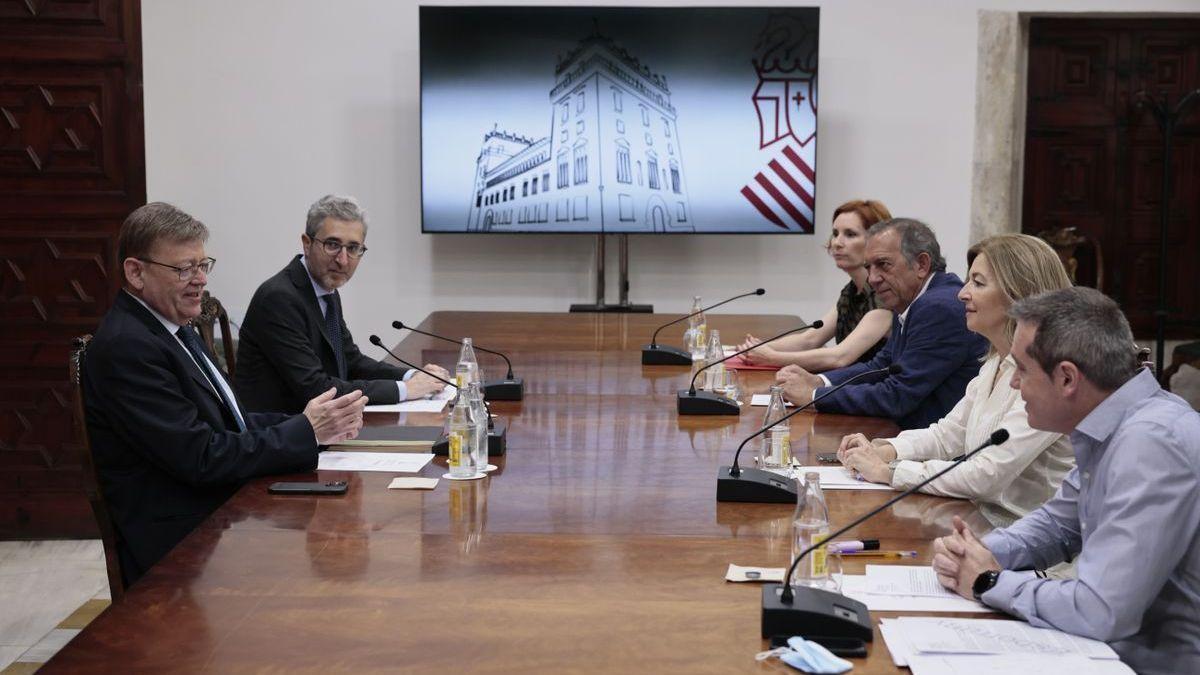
(1093,156)
(72,166)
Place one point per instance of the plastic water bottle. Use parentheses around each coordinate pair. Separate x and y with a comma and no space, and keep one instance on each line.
(479,416)
(695,339)
(810,526)
(777,442)
(467,370)
(461,438)
(714,376)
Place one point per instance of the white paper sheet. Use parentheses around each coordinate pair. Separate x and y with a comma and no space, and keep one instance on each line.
(1006,664)
(944,635)
(433,405)
(855,586)
(739,573)
(838,478)
(906,580)
(395,462)
(412,483)
(764,400)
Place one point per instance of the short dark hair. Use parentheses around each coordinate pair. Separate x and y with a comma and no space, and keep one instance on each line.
(153,222)
(915,238)
(338,207)
(1083,326)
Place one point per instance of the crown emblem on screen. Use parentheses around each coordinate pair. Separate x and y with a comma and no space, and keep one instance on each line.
(787,47)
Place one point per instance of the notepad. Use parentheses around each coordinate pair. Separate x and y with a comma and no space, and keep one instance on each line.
(764,400)
(412,483)
(395,462)
(394,436)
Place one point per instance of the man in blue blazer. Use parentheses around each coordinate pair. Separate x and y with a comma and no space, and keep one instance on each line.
(170,440)
(929,338)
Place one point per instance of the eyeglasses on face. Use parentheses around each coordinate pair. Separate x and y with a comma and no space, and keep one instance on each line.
(188,271)
(333,248)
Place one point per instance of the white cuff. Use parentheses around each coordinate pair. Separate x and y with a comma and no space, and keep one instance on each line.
(402,390)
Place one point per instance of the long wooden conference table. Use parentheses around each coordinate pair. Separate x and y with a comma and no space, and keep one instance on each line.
(598,545)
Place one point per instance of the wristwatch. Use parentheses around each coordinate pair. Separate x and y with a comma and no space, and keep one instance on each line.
(985,582)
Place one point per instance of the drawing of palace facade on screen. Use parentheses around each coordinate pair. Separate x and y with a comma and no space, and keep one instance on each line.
(612,161)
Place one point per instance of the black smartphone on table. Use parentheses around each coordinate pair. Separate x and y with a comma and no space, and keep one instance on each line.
(332,487)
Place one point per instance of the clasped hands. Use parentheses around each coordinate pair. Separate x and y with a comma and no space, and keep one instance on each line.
(868,458)
(421,385)
(959,558)
(798,384)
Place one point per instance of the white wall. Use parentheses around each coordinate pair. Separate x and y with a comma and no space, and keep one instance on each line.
(255,108)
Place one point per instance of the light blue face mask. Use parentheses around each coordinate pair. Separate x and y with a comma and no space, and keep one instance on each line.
(809,657)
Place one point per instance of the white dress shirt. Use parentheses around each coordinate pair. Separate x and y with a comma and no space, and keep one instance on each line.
(323,303)
(1006,481)
(173,328)
(903,315)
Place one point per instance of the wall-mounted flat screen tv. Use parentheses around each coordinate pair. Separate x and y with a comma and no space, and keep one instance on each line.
(618,119)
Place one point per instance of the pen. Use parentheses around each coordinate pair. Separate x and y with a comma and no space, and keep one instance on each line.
(881,554)
(853,545)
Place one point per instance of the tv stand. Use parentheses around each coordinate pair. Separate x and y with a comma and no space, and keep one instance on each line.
(623,305)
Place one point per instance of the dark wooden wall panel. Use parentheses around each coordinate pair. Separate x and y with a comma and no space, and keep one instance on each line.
(1093,157)
(72,165)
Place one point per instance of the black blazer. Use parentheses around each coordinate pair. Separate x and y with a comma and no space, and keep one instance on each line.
(167,450)
(285,358)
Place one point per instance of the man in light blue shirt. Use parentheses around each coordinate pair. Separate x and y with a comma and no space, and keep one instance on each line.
(1130,510)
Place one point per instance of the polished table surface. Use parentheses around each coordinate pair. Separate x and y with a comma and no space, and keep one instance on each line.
(598,545)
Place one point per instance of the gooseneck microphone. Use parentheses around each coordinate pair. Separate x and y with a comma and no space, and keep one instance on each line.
(817,613)
(509,389)
(497,433)
(735,484)
(691,402)
(655,354)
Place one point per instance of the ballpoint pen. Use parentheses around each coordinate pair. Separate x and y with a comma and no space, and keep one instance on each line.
(881,554)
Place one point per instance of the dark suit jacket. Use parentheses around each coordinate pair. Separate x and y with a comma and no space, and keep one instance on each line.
(167,450)
(285,357)
(939,356)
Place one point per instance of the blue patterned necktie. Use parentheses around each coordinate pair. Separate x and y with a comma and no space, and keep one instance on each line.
(333,325)
(192,341)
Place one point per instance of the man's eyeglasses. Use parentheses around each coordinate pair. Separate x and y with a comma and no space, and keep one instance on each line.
(186,273)
(333,248)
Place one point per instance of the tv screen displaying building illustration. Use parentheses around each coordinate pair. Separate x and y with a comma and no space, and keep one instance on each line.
(618,119)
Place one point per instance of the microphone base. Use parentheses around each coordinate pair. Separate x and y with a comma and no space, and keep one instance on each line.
(504,390)
(814,613)
(662,355)
(706,403)
(755,485)
(497,442)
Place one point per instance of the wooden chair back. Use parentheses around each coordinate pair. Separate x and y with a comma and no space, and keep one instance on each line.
(91,479)
(212,311)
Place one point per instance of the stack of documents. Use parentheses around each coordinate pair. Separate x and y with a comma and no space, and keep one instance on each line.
(945,646)
(395,462)
(432,405)
(840,478)
(905,588)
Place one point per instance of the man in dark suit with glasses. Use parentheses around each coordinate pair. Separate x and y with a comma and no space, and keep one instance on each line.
(170,440)
(294,339)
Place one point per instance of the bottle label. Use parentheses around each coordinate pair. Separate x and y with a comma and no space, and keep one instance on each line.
(818,556)
(781,446)
(700,335)
(456,448)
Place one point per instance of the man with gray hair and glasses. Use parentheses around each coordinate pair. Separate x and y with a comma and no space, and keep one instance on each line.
(930,341)
(1130,510)
(170,440)
(294,341)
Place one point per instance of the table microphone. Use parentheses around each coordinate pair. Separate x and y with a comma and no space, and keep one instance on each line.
(497,433)
(655,354)
(735,484)
(816,613)
(509,389)
(692,402)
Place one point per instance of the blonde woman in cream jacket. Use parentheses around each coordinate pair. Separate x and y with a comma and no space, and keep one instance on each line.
(1005,481)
